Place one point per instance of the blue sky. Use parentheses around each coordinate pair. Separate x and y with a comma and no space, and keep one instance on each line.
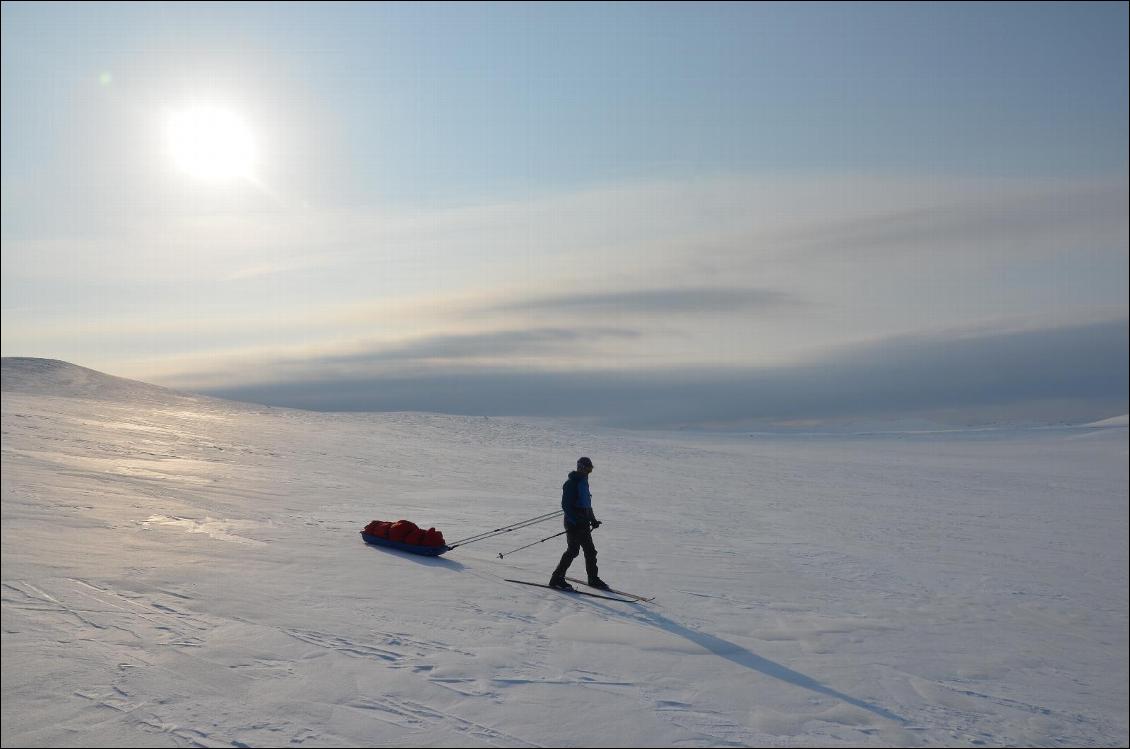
(543,194)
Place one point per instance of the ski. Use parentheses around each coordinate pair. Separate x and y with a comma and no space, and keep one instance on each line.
(633,596)
(576,592)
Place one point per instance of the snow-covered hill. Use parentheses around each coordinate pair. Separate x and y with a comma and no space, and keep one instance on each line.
(183,571)
(62,379)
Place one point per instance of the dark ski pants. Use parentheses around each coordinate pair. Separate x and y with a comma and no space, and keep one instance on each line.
(579,537)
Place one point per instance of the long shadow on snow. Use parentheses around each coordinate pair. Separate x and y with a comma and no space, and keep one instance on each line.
(737,654)
(450,564)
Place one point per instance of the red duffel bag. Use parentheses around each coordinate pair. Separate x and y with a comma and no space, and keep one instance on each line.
(432,537)
(400,530)
(378,528)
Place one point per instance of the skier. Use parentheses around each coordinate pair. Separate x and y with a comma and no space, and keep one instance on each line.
(576,501)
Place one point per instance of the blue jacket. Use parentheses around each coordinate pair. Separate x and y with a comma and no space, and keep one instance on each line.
(576,499)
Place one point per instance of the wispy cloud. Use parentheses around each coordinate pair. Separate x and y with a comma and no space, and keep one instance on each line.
(1023,220)
(657,301)
(542,348)
(489,345)
(621,231)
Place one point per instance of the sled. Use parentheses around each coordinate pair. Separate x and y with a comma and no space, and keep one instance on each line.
(427,551)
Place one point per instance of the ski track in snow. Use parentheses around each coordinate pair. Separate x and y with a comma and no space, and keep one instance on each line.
(181,571)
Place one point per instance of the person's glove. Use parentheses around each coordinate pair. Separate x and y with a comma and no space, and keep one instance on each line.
(594,523)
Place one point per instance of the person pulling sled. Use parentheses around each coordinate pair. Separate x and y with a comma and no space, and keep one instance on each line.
(576,501)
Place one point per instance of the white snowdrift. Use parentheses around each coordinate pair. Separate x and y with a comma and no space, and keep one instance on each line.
(182,571)
(1114,421)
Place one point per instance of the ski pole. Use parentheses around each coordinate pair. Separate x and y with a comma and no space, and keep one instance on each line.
(508,528)
(555,535)
(505,529)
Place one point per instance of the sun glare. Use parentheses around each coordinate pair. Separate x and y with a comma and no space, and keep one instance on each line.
(210,143)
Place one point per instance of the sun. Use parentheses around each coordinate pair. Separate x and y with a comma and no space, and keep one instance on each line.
(211,143)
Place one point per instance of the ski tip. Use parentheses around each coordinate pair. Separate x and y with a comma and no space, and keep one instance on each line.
(634,596)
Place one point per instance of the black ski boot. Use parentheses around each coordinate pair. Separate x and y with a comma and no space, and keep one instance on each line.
(596,582)
(559,583)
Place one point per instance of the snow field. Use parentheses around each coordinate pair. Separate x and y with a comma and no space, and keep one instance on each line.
(181,571)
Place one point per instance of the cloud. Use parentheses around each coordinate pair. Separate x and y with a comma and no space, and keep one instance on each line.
(419,356)
(623,231)
(485,345)
(657,301)
(1021,220)
(708,273)
(1076,373)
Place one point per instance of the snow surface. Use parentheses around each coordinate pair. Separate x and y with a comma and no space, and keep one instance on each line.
(183,571)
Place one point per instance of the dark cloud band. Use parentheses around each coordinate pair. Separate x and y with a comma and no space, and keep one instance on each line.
(1082,370)
(655,301)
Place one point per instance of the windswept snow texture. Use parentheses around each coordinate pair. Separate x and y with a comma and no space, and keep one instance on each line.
(183,571)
